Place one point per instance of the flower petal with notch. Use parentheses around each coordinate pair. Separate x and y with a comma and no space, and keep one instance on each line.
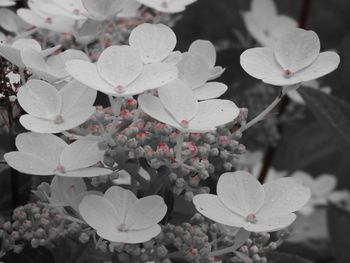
(241,201)
(119,216)
(47,154)
(52,111)
(295,58)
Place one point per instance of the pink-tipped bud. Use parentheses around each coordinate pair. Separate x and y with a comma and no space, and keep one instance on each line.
(184,123)
(120,89)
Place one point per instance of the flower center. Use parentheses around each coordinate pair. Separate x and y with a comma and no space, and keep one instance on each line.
(76,11)
(48,20)
(120,89)
(123,228)
(58,119)
(184,123)
(165,4)
(251,218)
(288,73)
(60,169)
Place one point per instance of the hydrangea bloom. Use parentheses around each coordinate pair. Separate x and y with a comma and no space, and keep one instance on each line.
(52,111)
(47,154)
(12,52)
(194,71)
(241,201)
(37,17)
(265,24)
(206,50)
(167,6)
(53,68)
(119,216)
(322,187)
(295,58)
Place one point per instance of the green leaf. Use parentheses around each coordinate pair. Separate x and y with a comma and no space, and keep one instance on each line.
(333,114)
(277,257)
(339,231)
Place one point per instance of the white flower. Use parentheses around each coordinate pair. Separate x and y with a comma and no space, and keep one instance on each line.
(124,178)
(47,154)
(322,187)
(52,111)
(119,216)
(295,58)
(295,96)
(130,9)
(120,72)
(66,191)
(11,22)
(37,17)
(72,9)
(103,9)
(206,50)
(194,71)
(6,3)
(53,68)
(178,107)
(264,23)
(12,52)
(167,6)
(154,43)
(241,201)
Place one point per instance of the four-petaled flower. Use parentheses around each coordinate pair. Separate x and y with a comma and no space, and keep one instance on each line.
(241,201)
(119,216)
(295,58)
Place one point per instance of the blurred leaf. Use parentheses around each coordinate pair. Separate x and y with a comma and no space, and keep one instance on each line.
(277,257)
(333,114)
(339,231)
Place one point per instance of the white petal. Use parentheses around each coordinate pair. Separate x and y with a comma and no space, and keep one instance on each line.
(266,8)
(11,54)
(22,44)
(57,23)
(132,236)
(213,113)
(119,65)
(153,76)
(154,108)
(271,224)
(173,58)
(297,49)
(103,9)
(47,147)
(9,20)
(210,90)
(86,73)
(325,63)
(98,212)
(282,25)
(211,207)
(28,164)
(57,63)
(37,65)
(81,154)
(122,200)
(206,50)
(193,70)
(154,42)
(324,184)
(283,196)
(179,100)
(146,212)
(304,178)
(40,99)
(240,192)
(216,72)
(46,52)
(76,95)
(71,120)
(86,172)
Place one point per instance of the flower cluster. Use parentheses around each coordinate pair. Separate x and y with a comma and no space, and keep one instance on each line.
(165,132)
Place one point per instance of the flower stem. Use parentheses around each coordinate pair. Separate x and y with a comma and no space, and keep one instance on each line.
(263,114)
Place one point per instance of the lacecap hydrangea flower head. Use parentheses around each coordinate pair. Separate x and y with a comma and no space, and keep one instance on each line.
(241,201)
